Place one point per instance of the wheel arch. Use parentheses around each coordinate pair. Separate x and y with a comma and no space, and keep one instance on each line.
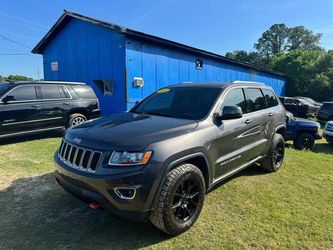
(199,160)
(81,111)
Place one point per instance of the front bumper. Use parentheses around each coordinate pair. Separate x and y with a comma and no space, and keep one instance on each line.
(328,136)
(318,136)
(101,189)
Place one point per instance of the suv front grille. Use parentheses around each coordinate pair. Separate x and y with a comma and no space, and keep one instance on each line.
(78,157)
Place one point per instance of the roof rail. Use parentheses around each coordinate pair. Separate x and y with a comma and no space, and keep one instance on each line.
(249,82)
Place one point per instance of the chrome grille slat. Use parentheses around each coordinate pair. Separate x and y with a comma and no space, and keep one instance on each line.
(70,154)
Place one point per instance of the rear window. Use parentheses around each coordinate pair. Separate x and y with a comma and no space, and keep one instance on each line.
(84,92)
(255,99)
(49,92)
(270,98)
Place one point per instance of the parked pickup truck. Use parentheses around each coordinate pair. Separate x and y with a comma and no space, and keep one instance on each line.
(299,107)
(303,132)
(326,112)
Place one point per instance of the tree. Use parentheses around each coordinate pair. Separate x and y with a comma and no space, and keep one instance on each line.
(273,40)
(301,38)
(242,55)
(310,71)
(17,78)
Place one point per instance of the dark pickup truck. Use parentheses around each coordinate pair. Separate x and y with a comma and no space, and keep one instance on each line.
(303,132)
(326,112)
(299,107)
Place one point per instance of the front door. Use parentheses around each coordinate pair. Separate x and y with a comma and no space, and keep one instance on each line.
(22,112)
(233,136)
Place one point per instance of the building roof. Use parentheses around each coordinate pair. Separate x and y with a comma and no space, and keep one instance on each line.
(68,15)
(217,84)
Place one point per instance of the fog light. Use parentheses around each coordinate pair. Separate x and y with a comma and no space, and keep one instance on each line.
(125,193)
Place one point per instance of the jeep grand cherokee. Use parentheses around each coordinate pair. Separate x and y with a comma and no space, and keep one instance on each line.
(158,160)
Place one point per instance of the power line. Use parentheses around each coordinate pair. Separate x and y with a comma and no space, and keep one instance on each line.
(13,41)
(15,54)
(25,22)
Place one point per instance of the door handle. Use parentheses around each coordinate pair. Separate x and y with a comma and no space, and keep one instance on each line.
(270,114)
(248,121)
(35,106)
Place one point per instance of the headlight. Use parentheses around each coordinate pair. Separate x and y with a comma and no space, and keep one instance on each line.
(129,158)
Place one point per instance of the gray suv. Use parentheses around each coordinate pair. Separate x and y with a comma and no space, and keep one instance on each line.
(157,161)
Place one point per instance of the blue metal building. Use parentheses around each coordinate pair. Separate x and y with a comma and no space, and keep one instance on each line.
(115,61)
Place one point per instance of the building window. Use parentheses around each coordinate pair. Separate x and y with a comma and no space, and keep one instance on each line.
(105,86)
(199,63)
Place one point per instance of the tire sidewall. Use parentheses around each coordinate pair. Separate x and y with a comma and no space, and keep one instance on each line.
(171,223)
(278,139)
(300,139)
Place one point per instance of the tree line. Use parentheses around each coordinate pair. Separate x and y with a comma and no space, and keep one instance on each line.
(295,51)
(14,78)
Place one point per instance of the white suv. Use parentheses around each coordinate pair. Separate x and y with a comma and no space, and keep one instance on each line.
(328,132)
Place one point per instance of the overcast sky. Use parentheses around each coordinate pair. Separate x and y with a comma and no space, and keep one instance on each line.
(214,25)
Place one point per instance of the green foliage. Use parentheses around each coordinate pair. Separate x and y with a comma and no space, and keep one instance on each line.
(250,57)
(273,40)
(311,72)
(16,78)
(296,52)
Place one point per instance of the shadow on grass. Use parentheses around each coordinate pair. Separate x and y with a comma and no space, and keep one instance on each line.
(37,213)
(324,148)
(31,137)
(253,170)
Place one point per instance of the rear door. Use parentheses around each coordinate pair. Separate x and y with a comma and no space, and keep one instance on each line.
(22,113)
(258,120)
(55,101)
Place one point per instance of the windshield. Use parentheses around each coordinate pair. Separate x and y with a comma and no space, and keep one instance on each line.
(3,87)
(192,103)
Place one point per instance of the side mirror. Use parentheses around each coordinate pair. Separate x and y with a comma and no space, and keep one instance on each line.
(231,112)
(228,113)
(8,98)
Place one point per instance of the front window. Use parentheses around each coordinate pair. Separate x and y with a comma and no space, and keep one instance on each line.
(192,103)
(23,93)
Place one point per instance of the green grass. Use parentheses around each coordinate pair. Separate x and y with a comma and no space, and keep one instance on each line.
(292,208)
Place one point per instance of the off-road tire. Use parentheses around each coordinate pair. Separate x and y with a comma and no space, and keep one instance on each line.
(304,141)
(163,216)
(271,163)
(76,116)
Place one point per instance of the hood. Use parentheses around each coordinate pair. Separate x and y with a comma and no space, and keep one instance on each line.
(307,123)
(128,131)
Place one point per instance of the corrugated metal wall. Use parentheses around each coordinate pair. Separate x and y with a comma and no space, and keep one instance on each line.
(160,66)
(86,52)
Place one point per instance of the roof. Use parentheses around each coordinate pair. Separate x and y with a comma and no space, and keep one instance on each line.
(219,84)
(45,82)
(68,15)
